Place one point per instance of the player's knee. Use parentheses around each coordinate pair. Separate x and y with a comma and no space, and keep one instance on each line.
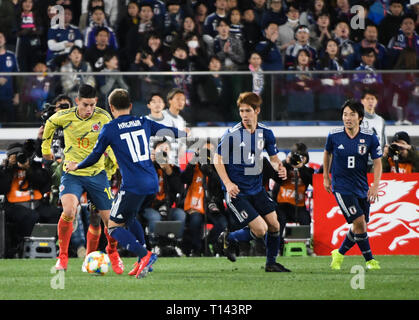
(273,227)
(94,219)
(260,230)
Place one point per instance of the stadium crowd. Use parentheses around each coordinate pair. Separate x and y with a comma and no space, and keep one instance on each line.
(231,35)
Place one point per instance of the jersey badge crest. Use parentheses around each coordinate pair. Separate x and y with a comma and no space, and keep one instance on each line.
(96,127)
(362,149)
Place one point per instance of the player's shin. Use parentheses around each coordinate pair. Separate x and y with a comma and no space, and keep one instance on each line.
(363,243)
(135,228)
(348,242)
(127,240)
(65,229)
(272,241)
(93,238)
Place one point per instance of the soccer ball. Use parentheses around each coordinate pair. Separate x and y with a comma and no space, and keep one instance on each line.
(97,263)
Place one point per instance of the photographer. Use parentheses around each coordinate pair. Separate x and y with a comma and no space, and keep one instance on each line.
(170,185)
(400,156)
(290,193)
(204,199)
(24,182)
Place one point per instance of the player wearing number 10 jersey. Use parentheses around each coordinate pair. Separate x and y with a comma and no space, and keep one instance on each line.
(129,137)
(81,126)
(346,154)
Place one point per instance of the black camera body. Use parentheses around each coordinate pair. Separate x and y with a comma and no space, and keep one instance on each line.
(394,150)
(49,110)
(296,158)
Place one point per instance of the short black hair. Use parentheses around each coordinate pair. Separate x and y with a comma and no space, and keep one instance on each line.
(99,29)
(366,51)
(369,91)
(355,106)
(87,91)
(174,92)
(153,94)
(119,99)
(63,97)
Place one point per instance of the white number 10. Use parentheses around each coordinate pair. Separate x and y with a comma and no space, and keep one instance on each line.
(351,162)
(134,145)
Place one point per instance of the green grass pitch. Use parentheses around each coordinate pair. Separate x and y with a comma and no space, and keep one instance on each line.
(216,279)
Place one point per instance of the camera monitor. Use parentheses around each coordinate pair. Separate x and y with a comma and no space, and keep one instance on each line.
(169,229)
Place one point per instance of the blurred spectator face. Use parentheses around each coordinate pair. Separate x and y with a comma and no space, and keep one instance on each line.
(146,14)
(75,57)
(396,9)
(154,43)
(27,5)
(188,24)
(323,21)
(214,64)
(369,102)
(249,15)
(293,14)
(342,30)
(371,34)
(270,30)
(318,5)
(302,36)
(2,41)
(98,17)
(332,48)
(156,104)
(51,12)
(221,4)
(231,4)
(276,5)
(368,59)
(223,30)
(193,42)
(303,59)
(112,63)
(235,16)
(201,12)
(68,16)
(255,60)
(342,4)
(102,38)
(408,26)
(173,8)
(178,101)
(180,53)
(259,3)
(40,67)
(133,10)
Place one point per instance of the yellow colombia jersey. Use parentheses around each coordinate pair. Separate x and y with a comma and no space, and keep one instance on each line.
(80,137)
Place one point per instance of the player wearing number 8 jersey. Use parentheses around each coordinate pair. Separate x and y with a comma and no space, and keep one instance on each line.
(346,155)
(81,126)
(129,137)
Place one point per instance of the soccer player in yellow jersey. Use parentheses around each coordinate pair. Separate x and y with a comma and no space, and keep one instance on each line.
(81,126)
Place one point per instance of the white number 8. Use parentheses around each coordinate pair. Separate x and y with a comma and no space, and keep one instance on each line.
(351,162)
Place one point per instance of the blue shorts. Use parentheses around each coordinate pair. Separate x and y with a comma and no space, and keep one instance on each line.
(126,206)
(97,188)
(353,207)
(246,208)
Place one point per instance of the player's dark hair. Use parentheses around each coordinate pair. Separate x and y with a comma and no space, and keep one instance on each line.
(355,106)
(119,99)
(174,92)
(63,97)
(368,91)
(100,29)
(87,91)
(154,94)
(249,98)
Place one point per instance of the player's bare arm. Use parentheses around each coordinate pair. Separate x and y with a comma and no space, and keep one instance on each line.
(232,189)
(373,190)
(327,160)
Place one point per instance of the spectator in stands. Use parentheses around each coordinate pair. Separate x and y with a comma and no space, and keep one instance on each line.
(259,8)
(331,93)
(258,81)
(400,156)
(9,91)
(197,54)
(320,32)
(110,10)
(159,11)
(211,22)
(290,194)
(300,94)
(203,201)
(37,90)
(180,62)
(212,94)
(99,21)
(236,27)
(159,207)
(371,79)
(302,35)
(342,34)
(72,79)
(188,27)
(95,54)
(251,31)
(28,45)
(370,41)
(286,30)
(358,34)
(173,20)
(311,15)
(106,84)
(128,22)
(24,182)
(8,19)
(391,22)
(268,50)
(274,13)
(61,40)
(342,11)
(200,14)
(406,38)
(227,48)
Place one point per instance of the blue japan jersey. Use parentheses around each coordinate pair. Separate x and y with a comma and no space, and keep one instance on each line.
(350,160)
(242,155)
(129,138)
(8,63)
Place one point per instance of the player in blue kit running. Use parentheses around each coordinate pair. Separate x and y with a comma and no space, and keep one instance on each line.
(239,162)
(346,154)
(129,137)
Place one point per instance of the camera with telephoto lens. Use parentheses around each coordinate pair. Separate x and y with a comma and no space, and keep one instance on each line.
(161,157)
(27,153)
(394,150)
(48,111)
(296,158)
